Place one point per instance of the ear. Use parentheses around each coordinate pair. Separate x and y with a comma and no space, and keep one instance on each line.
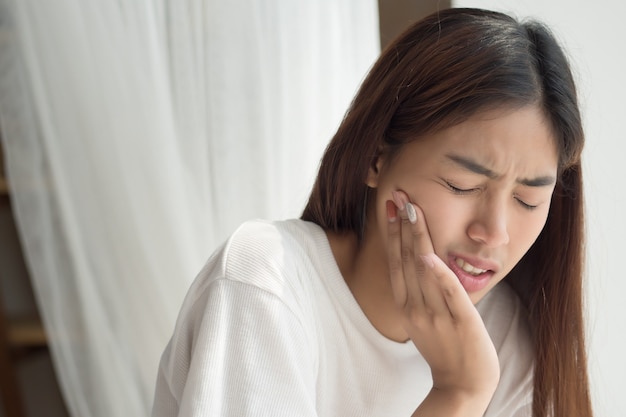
(373,173)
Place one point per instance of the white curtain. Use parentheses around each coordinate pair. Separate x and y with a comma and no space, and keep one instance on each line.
(137,135)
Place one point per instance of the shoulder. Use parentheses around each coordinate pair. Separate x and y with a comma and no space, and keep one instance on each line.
(249,296)
(506,320)
(264,237)
(270,246)
(269,255)
(260,261)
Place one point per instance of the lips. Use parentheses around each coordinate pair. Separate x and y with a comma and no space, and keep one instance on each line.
(467,267)
(473,273)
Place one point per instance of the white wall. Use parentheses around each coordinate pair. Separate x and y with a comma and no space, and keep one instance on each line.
(594,35)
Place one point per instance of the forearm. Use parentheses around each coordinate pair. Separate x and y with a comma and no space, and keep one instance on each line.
(453,404)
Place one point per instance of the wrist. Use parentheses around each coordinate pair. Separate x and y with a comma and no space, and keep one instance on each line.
(477,389)
(454,403)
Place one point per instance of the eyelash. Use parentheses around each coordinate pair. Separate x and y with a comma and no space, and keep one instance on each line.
(461,191)
(525,205)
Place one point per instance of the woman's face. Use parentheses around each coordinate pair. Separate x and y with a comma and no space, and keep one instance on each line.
(484,186)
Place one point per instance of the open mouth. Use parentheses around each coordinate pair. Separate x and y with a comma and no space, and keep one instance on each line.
(471,277)
(469,268)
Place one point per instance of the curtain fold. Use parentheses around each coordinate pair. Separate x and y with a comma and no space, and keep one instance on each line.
(137,136)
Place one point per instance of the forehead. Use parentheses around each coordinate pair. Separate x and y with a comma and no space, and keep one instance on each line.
(501,139)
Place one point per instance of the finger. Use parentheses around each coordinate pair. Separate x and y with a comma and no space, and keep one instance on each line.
(415,234)
(394,258)
(425,278)
(423,243)
(412,267)
(456,298)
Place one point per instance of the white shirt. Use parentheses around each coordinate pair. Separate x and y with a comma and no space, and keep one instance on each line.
(270,328)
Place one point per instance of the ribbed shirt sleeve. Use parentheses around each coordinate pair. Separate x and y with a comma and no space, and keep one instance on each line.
(239,349)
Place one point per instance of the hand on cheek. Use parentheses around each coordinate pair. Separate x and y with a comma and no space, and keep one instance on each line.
(438,314)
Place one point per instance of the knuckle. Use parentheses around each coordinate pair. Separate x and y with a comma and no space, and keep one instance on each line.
(429,312)
(449,291)
(420,318)
(406,253)
(415,316)
(395,266)
(441,322)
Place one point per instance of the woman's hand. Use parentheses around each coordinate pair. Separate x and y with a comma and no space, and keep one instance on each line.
(439,317)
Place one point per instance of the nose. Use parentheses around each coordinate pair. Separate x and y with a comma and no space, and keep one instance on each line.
(489,225)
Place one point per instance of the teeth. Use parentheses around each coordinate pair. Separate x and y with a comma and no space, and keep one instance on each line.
(467,267)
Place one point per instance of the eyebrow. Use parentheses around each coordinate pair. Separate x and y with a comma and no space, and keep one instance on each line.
(477,168)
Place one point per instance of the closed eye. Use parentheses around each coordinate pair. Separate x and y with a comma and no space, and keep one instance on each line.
(465,191)
(525,205)
(457,190)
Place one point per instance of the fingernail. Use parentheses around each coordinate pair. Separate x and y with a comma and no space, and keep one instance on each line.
(411,213)
(428,261)
(397,198)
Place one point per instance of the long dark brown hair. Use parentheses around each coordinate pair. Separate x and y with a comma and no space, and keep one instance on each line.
(441,71)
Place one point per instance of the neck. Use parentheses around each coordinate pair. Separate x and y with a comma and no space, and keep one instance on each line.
(363,265)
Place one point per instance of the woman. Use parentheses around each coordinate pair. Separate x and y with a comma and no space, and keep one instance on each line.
(437,267)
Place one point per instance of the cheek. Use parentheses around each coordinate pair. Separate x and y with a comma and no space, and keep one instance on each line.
(525,231)
(446,220)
